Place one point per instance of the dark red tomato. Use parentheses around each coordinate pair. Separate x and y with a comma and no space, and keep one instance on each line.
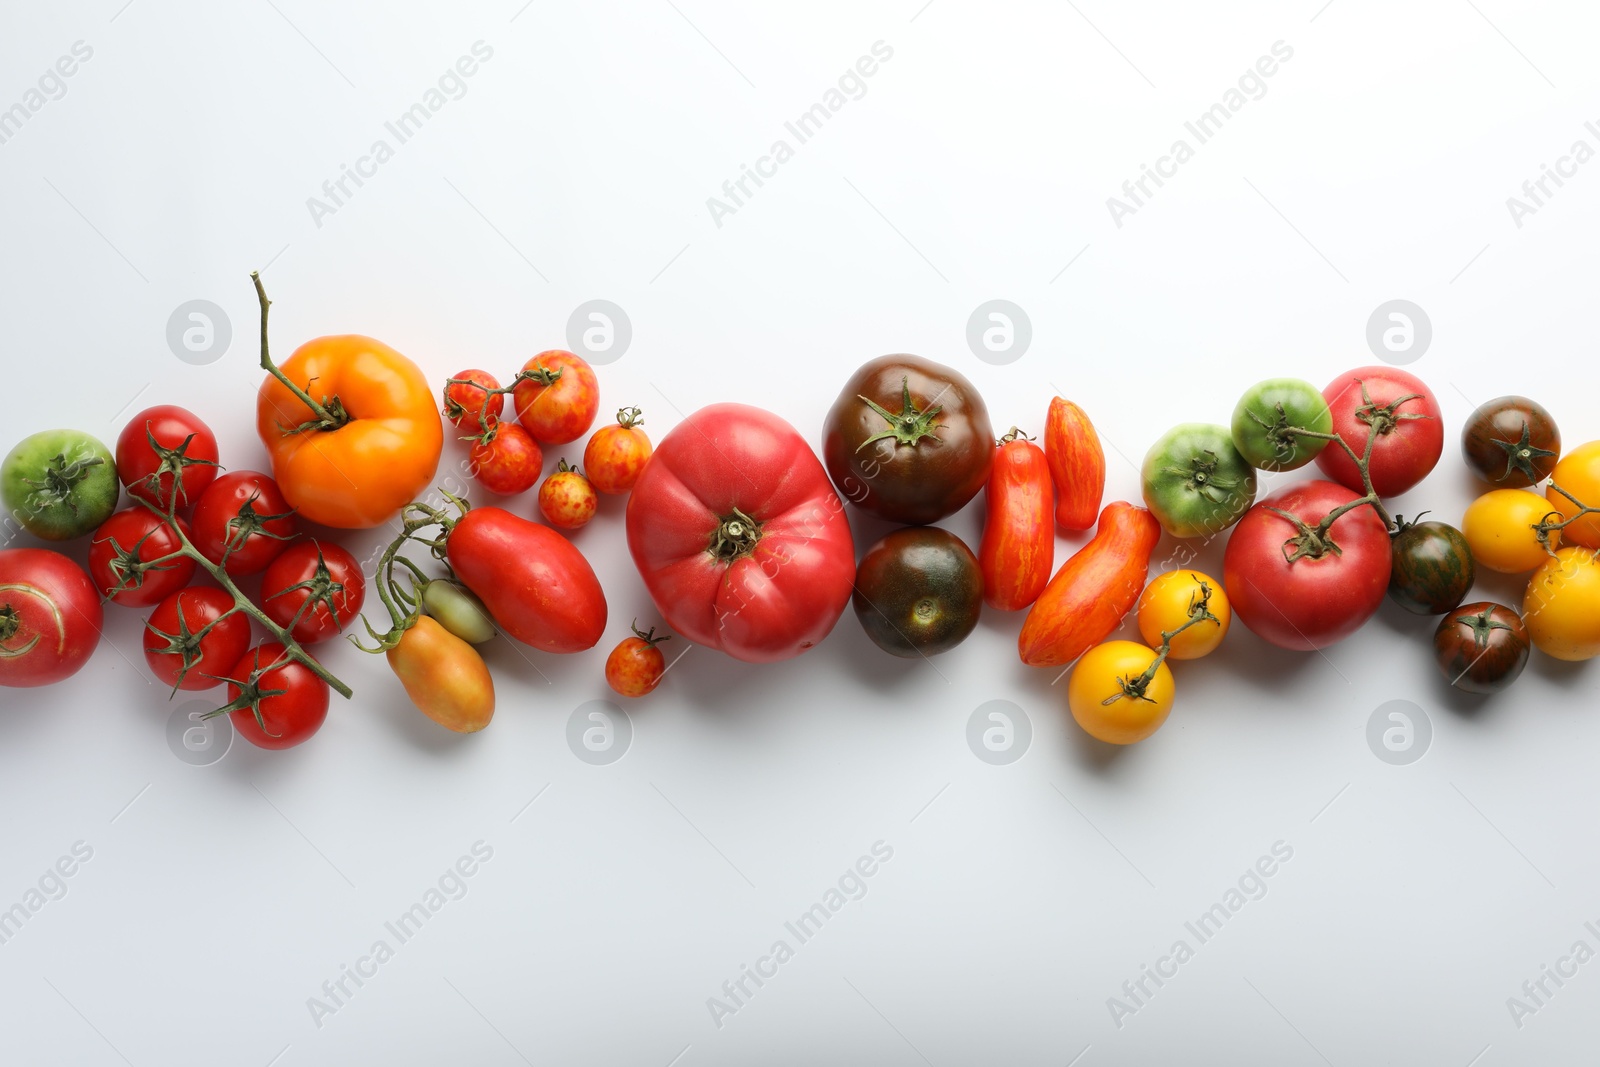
(314,589)
(50,617)
(1432,569)
(242,522)
(1294,591)
(161,442)
(1401,411)
(1481,648)
(536,585)
(919,591)
(741,541)
(1511,442)
(468,402)
(191,640)
(556,397)
(125,553)
(506,459)
(277,702)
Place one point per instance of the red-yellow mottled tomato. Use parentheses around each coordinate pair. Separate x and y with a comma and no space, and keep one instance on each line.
(566,499)
(617,453)
(635,666)
(556,397)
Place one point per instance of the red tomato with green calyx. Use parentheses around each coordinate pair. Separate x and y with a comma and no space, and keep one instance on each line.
(50,617)
(314,589)
(242,522)
(1402,414)
(194,637)
(275,702)
(125,558)
(163,443)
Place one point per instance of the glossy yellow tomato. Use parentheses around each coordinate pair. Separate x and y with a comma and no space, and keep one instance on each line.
(1562,606)
(1172,600)
(1500,530)
(1579,474)
(1103,698)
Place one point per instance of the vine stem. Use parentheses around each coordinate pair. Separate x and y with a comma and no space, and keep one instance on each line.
(326,419)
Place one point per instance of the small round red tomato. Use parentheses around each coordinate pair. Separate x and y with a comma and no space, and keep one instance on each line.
(617,453)
(194,637)
(314,589)
(469,401)
(566,499)
(1403,414)
(49,617)
(635,666)
(124,555)
(274,701)
(160,443)
(506,459)
(242,522)
(556,397)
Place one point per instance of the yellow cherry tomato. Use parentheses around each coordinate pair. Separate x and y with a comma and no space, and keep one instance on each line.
(1172,600)
(1562,605)
(1500,529)
(1103,692)
(1579,474)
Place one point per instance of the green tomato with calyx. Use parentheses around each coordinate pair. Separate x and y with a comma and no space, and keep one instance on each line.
(59,484)
(1267,416)
(1195,482)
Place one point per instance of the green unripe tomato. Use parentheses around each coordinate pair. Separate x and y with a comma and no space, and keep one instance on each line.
(458,611)
(59,484)
(1195,482)
(1266,413)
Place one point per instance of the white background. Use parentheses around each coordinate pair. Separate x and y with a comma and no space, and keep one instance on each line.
(977,166)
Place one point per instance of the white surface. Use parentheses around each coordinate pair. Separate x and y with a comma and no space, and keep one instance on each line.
(1019,898)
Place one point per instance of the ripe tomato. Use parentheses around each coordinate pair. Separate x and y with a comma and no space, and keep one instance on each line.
(1174,598)
(635,666)
(275,702)
(242,522)
(1195,482)
(58,484)
(1481,648)
(50,617)
(314,589)
(1108,697)
(444,676)
(566,499)
(1293,592)
(1562,605)
(1018,546)
(556,396)
(161,443)
(123,555)
(506,459)
(617,453)
(740,539)
(919,591)
(468,402)
(1511,442)
(1501,526)
(1077,464)
(194,637)
(1579,474)
(1401,411)
(1431,567)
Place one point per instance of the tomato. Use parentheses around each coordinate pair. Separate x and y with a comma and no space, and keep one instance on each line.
(126,558)
(458,610)
(1093,590)
(1292,591)
(635,666)
(1481,648)
(314,589)
(275,702)
(536,585)
(617,453)
(194,637)
(1502,527)
(1019,541)
(50,617)
(59,484)
(242,522)
(1265,415)
(918,592)
(1403,414)
(1578,473)
(1171,600)
(1195,482)
(740,539)
(469,401)
(506,459)
(908,440)
(1430,568)
(1511,442)
(1077,465)
(556,397)
(164,443)
(1106,698)
(444,676)
(566,499)
(1562,605)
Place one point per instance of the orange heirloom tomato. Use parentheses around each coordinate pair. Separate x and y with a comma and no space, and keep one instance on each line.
(1077,464)
(556,396)
(1579,474)
(1019,537)
(617,453)
(444,677)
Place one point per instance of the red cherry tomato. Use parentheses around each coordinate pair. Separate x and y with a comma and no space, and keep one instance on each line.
(183,648)
(617,453)
(123,553)
(314,589)
(566,499)
(635,666)
(1401,411)
(283,701)
(468,402)
(506,459)
(161,442)
(242,522)
(556,397)
(50,617)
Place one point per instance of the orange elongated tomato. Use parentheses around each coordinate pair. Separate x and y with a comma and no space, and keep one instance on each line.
(1019,541)
(1077,464)
(384,449)
(444,677)
(1093,590)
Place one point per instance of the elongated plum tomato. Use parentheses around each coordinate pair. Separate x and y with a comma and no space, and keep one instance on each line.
(1018,546)
(741,541)
(1077,465)
(444,677)
(50,617)
(458,610)
(536,585)
(1400,411)
(617,453)
(1297,591)
(556,396)
(283,701)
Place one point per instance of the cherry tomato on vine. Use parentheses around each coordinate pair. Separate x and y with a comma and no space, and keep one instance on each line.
(566,499)
(1403,414)
(636,665)
(242,522)
(1481,648)
(556,397)
(160,443)
(1560,606)
(1431,567)
(1109,698)
(123,553)
(315,585)
(617,453)
(50,617)
(506,459)
(469,401)
(1171,600)
(1511,442)
(1501,526)
(1579,474)
(183,648)
(275,702)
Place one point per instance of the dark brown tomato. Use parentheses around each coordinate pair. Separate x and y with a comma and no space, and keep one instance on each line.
(918,592)
(1511,442)
(1432,568)
(1481,647)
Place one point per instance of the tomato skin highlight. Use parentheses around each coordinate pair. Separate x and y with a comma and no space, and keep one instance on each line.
(1093,590)
(1017,549)
(171,426)
(562,409)
(1579,474)
(536,585)
(50,617)
(212,656)
(1401,457)
(444,676)
(1077,465)
(138,529)
(288,718)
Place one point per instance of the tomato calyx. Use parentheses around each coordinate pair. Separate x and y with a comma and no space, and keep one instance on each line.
(186,643)
(1013,434)
(247,522)
(321,588)
(171,463)
(1482,626)
(910,425)
(251,694)
(1279,432)
(1384,418)
(1521,454)
(563,467)
(628,418)
(330,411)
(60,475)
(541,375)
(129,568)
(648,637)
(10,623)
(1136,687)
(404,607)
(1200,476)
(736,536)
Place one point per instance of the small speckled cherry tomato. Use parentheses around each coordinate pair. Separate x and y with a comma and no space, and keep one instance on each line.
(617,453)
(635,667)
(566,499)
(556,397)
(506,459)
(469,400)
